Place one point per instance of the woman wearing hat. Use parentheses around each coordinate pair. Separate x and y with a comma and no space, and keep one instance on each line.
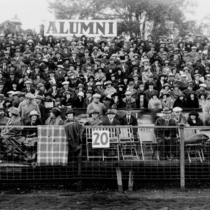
(194,119)
(79,101)
(34,120)
(192,101)
(165,90)
(68,100)
(154,102)
(180,102)
(109,90)
(99,75)
(55,117)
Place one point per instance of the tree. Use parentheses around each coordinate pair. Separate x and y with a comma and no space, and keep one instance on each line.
(134,16)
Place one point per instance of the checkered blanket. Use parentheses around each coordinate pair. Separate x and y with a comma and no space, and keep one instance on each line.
(52,146)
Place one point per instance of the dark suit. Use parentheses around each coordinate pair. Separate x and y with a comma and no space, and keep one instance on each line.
(132,122)
(114,122)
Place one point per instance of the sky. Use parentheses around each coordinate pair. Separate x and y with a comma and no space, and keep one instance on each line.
(33,12)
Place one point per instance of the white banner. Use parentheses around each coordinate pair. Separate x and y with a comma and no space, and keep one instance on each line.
(100,139)
(91,28)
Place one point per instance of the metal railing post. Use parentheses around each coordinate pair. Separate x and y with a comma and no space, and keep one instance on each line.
(182,158)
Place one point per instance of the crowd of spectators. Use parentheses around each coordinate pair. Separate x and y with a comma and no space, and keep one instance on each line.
(99,75)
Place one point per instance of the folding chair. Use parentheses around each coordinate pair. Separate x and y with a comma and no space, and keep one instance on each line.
(193,148)
(92,152)
(127,144)
(113,152)
(147,138)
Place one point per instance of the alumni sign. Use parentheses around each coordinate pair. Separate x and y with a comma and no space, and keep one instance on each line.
(81,27)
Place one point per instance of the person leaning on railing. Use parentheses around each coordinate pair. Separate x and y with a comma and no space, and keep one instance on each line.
(55,117)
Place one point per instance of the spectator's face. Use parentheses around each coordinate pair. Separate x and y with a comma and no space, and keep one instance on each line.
(128,113)
(96,99)
(29,101)
(70,116)
(88,95)
(34,117)
(192,117)
(110,116)
(128,96)
(94,115)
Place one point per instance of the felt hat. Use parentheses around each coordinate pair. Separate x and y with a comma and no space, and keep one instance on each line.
(29,96)
(56,111)
(33,112)
(177,109)
(69,111)
(166,110)
(15,111)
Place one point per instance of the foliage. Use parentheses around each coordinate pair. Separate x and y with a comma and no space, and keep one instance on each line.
(134,16)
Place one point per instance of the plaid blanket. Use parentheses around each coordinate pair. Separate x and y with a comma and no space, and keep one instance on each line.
(52,148)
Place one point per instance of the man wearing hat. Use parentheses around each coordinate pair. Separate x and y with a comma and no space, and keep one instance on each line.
(129,101)
(89,98)
(14,121)
(3,118)
(27,106)
(202,90)
(151,91)
(207,82)
(28,88)
(39,99)
(166,137)
(178,116)
(70,117)
(96,104)
(110,120)
(94,119)
(189,90)
(55,117)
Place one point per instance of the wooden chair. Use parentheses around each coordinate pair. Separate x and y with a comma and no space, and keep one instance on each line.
(193,148)
(113,152)
(92,152)
(127,144)
(147,138)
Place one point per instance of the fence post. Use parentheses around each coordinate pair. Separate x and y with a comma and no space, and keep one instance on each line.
(182,158)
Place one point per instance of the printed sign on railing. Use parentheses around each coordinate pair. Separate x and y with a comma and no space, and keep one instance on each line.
(100,139)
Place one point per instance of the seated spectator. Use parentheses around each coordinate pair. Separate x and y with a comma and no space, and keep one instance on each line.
(165,90)
(14,122)
(194,119)
(167,101)
(207,119)
(94,119)
(110,120)
(176,92)
(202,101)
(128,100)
(178,116)
(79,101)
(3,118)
(154,102)
(70,117)
(55,117)
(34,120)
(141,101)
(68,100)
(180,102)
(192,101)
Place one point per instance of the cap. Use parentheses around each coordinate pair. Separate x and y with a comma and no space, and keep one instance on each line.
(107,82)
(203,85)
(177,109)
(69,111)
(110,112)
(29,96)
(166,110)
(81,94)
(65,83)
(96,95)
(128,93)
(15,111)
(33,113)
(28,82)
(40,85)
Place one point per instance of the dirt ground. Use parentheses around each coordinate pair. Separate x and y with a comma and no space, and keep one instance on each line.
(153,198)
